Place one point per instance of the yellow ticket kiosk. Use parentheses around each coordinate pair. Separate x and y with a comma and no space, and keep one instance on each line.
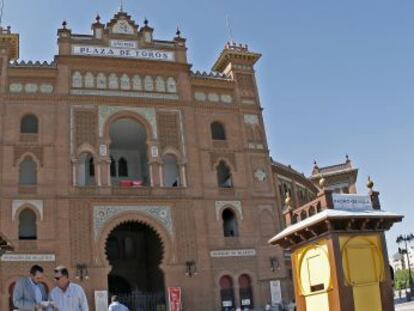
(339,257)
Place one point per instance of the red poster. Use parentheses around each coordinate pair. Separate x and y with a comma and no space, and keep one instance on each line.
(174,298)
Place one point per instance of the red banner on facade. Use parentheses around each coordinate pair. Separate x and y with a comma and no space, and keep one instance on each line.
(174,298)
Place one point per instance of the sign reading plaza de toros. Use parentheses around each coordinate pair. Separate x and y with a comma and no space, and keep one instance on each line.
(123,53)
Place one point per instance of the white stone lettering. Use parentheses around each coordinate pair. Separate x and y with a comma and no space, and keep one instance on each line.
(28,258)
(123,53)
(233,253)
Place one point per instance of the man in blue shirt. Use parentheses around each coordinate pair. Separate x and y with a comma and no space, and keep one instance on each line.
(67,296)
(116,305)
(29,292)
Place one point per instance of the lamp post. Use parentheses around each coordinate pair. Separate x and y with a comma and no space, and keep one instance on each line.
(404,240)
(82,272)
(274,264)
(191,268)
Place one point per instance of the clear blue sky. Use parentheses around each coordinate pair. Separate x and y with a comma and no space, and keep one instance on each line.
(336,77)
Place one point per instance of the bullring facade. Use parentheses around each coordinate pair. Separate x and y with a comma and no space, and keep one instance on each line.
(139,174)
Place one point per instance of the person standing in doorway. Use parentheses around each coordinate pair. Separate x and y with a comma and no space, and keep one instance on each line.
(292,306)
(67,296)
(29,292)
(116,305)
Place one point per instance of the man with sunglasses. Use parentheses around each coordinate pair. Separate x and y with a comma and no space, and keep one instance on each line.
(67,296)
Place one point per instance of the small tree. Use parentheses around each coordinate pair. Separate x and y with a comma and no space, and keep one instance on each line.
(401,279)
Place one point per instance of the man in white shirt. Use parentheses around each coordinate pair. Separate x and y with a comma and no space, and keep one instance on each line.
(116,305)
(67,296)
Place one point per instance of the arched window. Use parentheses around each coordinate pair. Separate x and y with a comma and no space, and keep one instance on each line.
(171,85)
(160,85)
(28,172)
(217,131)
(89,80)
(224,175)
(226,293)
(113,81)
(29,125)
(125,82)
(101,81)
(77,80)
(246,292)
(137,83)
(27,225)
(122,168)
(170,171)
(148,84)
(113,167)
(86,170)
(230,227)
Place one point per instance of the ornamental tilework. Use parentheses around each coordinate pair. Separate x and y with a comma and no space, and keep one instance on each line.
(105,112)
(86,125)
(220,205)
(103,214)
(168,130)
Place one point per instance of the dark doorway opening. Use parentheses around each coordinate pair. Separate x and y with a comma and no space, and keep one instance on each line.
(135,253)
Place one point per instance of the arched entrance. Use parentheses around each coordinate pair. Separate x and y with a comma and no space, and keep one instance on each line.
(227,293)
(135,252)
(11,290)
(246,292)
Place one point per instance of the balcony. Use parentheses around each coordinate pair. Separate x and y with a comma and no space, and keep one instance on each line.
(227,191)
(28,138)
(23,189)
(129,191)
(138,191)
(220,144)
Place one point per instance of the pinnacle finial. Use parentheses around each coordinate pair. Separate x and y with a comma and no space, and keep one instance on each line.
(322,183)
(178,33)
(370,183)
(98,18)
(146,21)
(288,199)
(64,24)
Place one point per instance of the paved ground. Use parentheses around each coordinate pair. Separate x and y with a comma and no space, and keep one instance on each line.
(409,306)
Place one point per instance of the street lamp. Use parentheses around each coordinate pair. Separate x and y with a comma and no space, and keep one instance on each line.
(404,240)
(5,246)
(191,268)
(274,263)
(82,272)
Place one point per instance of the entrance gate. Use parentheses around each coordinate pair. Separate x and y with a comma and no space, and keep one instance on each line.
(137,301)
(135,252)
